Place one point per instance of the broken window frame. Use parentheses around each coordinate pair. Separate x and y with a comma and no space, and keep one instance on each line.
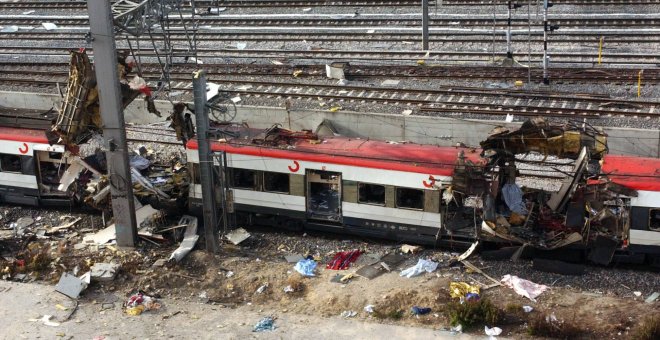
(362,185)
(398,194)
(267,181)
(11,169)
(652,218)
(247,172)
(28,166)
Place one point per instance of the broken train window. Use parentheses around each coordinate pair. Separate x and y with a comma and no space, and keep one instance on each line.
(243,178)
(371,193)
(10,163)
(410,198)
(276,182)
(654,219)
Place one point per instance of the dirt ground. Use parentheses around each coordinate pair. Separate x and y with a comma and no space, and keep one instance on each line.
(224,289)
(22,305)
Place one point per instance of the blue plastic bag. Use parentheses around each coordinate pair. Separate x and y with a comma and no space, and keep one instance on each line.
(305,267)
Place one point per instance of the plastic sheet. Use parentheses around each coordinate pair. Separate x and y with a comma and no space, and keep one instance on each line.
(265,324)
(305,267)
(421,266)
(513,197)
(524,287)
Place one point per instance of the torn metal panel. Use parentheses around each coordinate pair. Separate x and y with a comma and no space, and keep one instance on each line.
(559,199)
(538,135)
(79,115)
(237,236)
(189,240)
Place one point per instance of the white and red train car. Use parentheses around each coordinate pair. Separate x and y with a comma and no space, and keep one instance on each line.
(30,168)
(390,190)
(345,185)
(642,175)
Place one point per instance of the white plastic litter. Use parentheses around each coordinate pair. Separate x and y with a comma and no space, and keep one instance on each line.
(9,29)
(456,329)
(49,26)
(492,332)
(47,322)
(348,314)
(528,309)
(523,287)
(288,289)
(421,266)
(369,308)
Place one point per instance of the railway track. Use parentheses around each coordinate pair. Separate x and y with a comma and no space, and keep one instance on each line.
(81,5)
(59,71)
(454,100)
(584,57)
(640,22)
(376,37)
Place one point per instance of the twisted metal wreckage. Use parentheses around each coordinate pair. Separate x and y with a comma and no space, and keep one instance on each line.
(79,118)
(588,211)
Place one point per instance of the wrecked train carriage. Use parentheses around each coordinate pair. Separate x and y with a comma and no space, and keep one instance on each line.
(296,180)
(640,178)
(30,168)
(79,116)
(588,217)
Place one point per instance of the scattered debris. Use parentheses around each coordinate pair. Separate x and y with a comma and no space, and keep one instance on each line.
(421,267)
(49,26)
(492,332)
(265,324)
(72,286)
(342,260)
(369,308)
(305,267)
(348,314)
(408,249)
(294,258)
(652,297)
(262,288)
(189,238)
(104,272)
(456,329)
(416,310)
(140,302)
(460,290)
(637,293)
(46,321)
(524,287)
(237,236)
(335,70)
(289,289)
(527,309)
(374,270)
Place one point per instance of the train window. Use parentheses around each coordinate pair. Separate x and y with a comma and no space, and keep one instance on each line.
(410,198)
(243,178)
(27,165)
(10,163)
(194,173)
(276,182)
(654,219)
(371,193)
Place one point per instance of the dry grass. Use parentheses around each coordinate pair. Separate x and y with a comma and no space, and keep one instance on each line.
(649,329)
(472,313)
(542,325)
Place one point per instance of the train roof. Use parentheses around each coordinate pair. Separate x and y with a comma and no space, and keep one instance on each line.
(408,157)
(23,135)
(637,173)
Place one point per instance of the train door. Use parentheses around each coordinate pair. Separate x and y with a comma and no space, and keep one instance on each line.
(323,195)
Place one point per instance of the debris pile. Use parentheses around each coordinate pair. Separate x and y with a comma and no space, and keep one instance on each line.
(586,210)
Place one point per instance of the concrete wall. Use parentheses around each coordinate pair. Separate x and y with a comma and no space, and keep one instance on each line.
(429,130)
